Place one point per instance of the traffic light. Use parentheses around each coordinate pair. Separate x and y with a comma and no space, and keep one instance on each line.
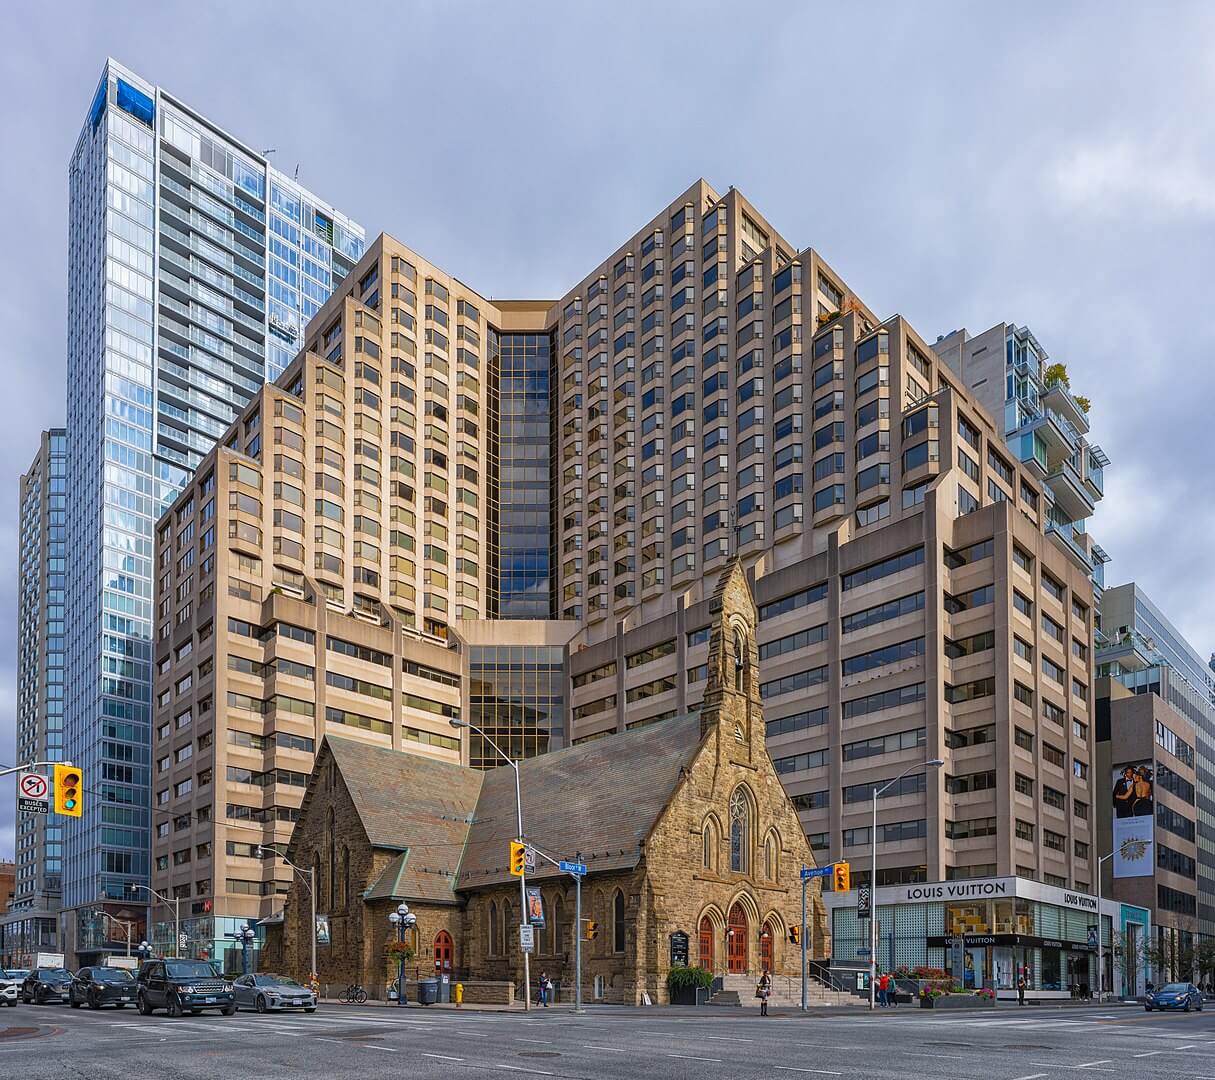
(518,858)
(841,875)
(795,935)
(68,785)
(592,929)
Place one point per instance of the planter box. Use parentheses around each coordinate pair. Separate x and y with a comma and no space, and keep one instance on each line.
(690,995)
(957,1001)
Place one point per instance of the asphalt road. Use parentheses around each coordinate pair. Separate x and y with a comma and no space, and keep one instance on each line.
(609,1044)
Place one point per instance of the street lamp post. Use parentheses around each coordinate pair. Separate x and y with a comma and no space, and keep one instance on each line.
(527,978)
(935,763)
(310,881)
(145,951)
(126,926)
(176,902)
(246,937)
(402,919)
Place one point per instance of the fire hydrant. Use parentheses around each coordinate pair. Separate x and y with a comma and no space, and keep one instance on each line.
(459,994)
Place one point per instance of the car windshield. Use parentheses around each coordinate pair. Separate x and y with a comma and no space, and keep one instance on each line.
(14,973)
(189,969)
(111,975)
(275,980)
(53,975)
(1176,988)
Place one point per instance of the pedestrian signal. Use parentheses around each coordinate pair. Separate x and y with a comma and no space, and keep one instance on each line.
(592,930)
(841,875)
(68,784)
(518,858)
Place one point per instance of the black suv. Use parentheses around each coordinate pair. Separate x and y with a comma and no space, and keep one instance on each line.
(44,985)
(97,986)
(183,986)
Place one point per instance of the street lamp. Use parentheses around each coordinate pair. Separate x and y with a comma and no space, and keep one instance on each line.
(310,881)
(456,722)
(176,902)
(126,926)
(145,951)
(935,763)
(402,919)
(1100,937)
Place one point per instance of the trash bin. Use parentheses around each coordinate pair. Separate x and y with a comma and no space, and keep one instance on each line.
(428,991)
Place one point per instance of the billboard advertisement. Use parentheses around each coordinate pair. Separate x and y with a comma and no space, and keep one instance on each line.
(535,908)
(1134,806)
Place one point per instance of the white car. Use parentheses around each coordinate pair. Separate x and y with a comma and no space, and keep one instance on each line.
(10,986)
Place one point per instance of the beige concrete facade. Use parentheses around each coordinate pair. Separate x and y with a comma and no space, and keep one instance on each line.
(1135,729)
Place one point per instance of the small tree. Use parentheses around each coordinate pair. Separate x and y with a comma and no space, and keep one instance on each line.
(1056,373)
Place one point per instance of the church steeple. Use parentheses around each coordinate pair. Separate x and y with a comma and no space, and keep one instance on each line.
(731,706)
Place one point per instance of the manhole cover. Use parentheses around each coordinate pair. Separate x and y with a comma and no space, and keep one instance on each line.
(539,1053)
(18,1032)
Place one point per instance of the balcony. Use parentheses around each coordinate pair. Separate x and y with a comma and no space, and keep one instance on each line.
(1069,493)
(1058,437)
(1058,397)
(1072,541)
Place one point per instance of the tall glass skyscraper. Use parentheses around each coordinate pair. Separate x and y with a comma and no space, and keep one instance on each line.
(193,267)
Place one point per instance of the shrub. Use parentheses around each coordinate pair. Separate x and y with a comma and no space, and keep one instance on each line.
(683,978)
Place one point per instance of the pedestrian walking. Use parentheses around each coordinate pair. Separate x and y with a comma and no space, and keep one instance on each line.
(763,991)
(883,990)
(1021,989)
(542,988)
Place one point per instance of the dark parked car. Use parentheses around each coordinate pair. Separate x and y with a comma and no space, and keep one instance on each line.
(183,986)
(97,986)
(44,985)
(1184,996)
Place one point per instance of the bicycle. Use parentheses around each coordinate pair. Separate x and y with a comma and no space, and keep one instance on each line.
(354,994)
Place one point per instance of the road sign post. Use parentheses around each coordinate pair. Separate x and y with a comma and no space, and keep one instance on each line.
(805,999)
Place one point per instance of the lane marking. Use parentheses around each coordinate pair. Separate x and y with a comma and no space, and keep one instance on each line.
(728,1038)
(443,1057)
(1056,1065)
(1030,1076)
(613,1049)
(371,1046)
(514,1068)
(1148,1053)
(693,1057)
(817,1072)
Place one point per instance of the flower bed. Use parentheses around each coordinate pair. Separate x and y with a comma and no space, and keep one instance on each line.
(935,994)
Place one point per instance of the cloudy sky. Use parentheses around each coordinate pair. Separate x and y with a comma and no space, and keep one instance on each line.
(960,164)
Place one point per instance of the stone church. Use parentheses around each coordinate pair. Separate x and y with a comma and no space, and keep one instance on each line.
(692,847)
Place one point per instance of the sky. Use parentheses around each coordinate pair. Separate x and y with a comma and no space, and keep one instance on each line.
(960,164)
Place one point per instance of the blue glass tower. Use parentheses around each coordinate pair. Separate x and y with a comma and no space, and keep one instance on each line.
(193,267)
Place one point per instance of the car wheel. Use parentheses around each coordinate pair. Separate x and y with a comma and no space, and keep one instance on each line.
(175,1010)
(228,1010)
(1147,1008)
(141,1004)
(94,1002)
(260,1004)
(73,1002)
(1187,1006)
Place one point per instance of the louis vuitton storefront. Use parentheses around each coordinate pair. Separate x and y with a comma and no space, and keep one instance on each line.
(986,932)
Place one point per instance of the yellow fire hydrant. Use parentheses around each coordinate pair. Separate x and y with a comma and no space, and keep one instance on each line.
(459,994)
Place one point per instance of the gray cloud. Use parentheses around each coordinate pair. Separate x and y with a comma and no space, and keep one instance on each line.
(957,164)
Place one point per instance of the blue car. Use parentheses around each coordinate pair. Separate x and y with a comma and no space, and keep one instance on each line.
(1184,996)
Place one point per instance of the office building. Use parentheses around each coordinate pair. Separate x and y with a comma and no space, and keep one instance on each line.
(1044,424)
(912,601)
(31,920)
(193,266)
(1144,652)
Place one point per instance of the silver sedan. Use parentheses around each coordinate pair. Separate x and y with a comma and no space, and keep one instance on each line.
(269,993)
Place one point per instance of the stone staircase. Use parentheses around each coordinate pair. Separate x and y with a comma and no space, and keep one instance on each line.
(786,993)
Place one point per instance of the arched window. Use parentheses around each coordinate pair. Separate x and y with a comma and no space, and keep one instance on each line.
(740,645)
(740,831)
(618,922)
(558,918)
(771,857)
(507,922)
(708,846)
(332,875)
(706,943)
(493,929)
(347,888)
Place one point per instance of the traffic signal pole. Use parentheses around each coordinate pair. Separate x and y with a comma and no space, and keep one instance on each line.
(578,943)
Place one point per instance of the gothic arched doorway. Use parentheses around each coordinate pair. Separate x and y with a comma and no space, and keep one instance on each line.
(736,940)
(706,943)
(443,952)
(767,940)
